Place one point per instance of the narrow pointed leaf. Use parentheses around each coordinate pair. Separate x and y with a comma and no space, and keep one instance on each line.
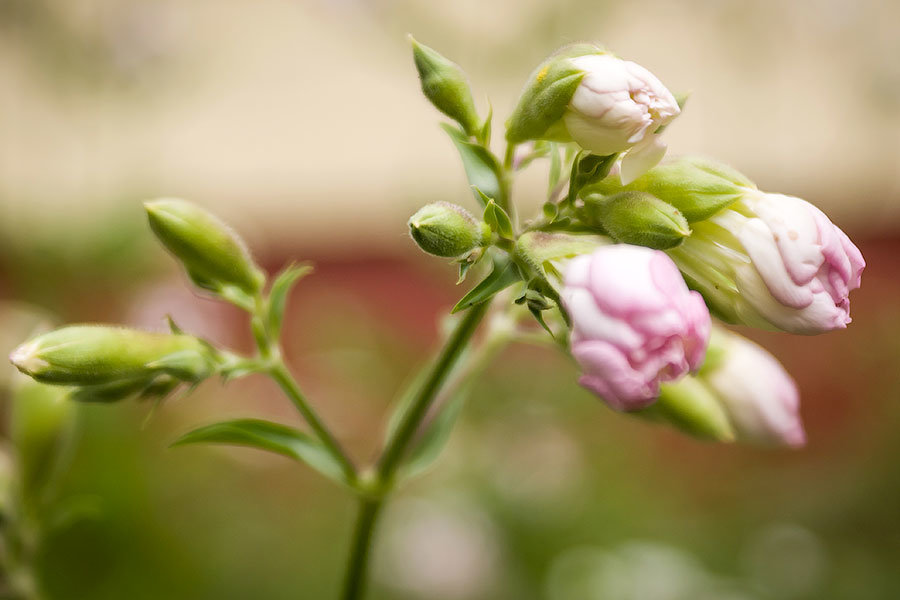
(278,296)
(273,437)
(496,217)
(435,437)
(482,168)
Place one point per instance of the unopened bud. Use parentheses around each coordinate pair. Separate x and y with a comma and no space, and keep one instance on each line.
(86,355)
(215,257)
(444,84)
(448,230)
(41,423)
(605,104)
(637,218)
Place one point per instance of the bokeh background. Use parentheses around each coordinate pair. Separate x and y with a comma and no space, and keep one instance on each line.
(301,123)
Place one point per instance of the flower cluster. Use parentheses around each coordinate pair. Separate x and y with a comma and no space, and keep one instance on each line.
(676,242)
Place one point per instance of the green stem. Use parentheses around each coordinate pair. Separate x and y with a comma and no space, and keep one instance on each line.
(446,359)
(370,505)
(355,582)
(279,372)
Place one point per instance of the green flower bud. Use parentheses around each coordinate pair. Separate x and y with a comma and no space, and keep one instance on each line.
(697,187)
(448,230)
(688,405)
(215,257)
(444,84)
(41,423)
(636,218)
(88,355)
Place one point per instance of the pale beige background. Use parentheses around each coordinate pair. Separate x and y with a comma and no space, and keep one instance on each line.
(304,119)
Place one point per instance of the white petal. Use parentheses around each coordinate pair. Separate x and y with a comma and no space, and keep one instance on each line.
(642,157)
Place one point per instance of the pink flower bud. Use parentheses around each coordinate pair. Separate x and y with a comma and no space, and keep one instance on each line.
(775,262)
(618,107)
(759,396)
(635,324)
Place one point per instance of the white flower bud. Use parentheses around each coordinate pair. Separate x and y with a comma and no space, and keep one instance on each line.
(605,104)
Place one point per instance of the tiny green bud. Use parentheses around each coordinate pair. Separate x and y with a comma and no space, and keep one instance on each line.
(448,230)
(87,355)
(636,218)
(697,187)
(215,257)
(41,423)
(444,84)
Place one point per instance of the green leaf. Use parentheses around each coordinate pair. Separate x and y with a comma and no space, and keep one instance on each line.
(504,274)
(482,168)
(278,295)
(435,437)
(273,437)
(497,218)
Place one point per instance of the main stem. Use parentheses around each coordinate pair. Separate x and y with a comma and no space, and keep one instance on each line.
(390,460)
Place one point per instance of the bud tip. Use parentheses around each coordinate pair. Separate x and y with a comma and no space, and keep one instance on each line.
(25,358)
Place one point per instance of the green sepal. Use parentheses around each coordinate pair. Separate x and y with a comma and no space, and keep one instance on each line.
(484,132)
(444,84)
(697,187)
(272,437)
(504,274)
(543,102)
(496,218)
(688,405)
(278,295)
(538,248)
(636,218)
(482,168)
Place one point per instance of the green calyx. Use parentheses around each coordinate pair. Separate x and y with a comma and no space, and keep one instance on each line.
(214,256)
(98,355)
(636,218)
(444,84)
(448,230)
(548,92)
(697,187)
(689,406)
(538,248)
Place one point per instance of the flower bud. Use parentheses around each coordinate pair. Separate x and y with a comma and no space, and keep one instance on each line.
(774,262)
(636,218)
(759,396)
(635,324)
(605,104)
(445,229)
(215,257)
(697,187)
(41,422)
(88,355)
(445,85)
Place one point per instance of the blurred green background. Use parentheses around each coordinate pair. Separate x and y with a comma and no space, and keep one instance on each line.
(302,124)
